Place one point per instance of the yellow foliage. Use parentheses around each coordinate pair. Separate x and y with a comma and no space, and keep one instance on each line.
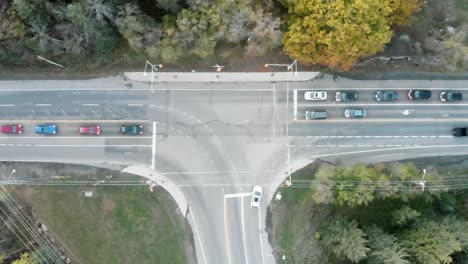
(337,33)
(25,259)
(402,11)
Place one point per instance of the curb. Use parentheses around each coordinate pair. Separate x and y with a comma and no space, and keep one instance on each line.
(163,181)
(221,76)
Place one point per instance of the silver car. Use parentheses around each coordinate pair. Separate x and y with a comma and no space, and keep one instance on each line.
(355,113)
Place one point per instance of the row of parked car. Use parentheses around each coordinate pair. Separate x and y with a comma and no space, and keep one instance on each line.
(51,129)
(386,96)
(348,113)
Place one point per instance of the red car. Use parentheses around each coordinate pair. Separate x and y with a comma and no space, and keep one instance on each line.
(12,129)
(90,130)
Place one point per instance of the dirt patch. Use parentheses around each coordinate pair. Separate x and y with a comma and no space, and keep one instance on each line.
(108,206)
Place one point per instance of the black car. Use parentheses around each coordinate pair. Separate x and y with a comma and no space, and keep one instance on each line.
(386,96)
(131,129)
(419,94)
(460,132)
(346,96)
(451,96)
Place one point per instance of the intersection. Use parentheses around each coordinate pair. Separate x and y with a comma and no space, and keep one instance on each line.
(216,140)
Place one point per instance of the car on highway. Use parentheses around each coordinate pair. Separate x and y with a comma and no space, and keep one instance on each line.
(46,129)
(450,96)
(346,96)
(131,129)
(315,95)
(460,132)
(12,129)
(90,130)
(256,196)
(355,113)
(316,114)
(386,96)
(419,94)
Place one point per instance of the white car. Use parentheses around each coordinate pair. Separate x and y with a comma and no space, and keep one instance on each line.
(256,196)
(315,95)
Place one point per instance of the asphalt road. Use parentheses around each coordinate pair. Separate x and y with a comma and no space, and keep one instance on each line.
(217,140)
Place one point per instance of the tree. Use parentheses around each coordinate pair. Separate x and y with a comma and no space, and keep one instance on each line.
(345,240)
(12,27)
(431,243)
(25,259)
(384,248)
(404,215)
(458,228)
(403,11)
(354,186)
(137,28)
(336,33)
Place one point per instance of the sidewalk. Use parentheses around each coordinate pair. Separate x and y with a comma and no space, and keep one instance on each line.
(221,76)
(163,181)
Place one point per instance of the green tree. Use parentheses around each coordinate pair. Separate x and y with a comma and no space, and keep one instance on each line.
(345,240)
(137,28)
(25,259)
(431,243)
(404,215)
(459,229)
(336,33)
(356,185)
(384,248)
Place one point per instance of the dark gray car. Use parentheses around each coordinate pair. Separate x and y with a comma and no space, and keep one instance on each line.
(316,114)
(131,129)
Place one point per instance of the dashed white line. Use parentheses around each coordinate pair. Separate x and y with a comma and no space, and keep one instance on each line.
(90,104)
(199,239)
(260,235)
(43,104)
(135,104)
(7,105)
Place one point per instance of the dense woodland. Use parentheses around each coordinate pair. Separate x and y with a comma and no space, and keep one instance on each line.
(380,215)
(331,33)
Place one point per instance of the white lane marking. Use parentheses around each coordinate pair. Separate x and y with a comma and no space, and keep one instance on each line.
(214,172)
(77,137)
(91,146)
(387,120)
(406,89)
(137,89)
(422,136)
(135,104)
(372,104)
(226,233)
(274,109)
(7,105)
(388,149)
(153,150)
(90,104)
(236,195)
(198,236)
(260,234)
(295,103)
(243,230)
(214,185)
(43,104)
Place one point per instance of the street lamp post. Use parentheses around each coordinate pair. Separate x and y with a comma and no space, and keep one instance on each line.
(154,67)
(290,67)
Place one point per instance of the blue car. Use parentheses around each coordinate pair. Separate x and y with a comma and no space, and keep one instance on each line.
(46,129)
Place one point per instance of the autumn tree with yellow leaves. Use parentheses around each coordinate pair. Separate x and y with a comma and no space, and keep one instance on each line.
(336,33)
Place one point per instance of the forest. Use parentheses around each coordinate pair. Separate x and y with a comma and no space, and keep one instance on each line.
(334,34)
